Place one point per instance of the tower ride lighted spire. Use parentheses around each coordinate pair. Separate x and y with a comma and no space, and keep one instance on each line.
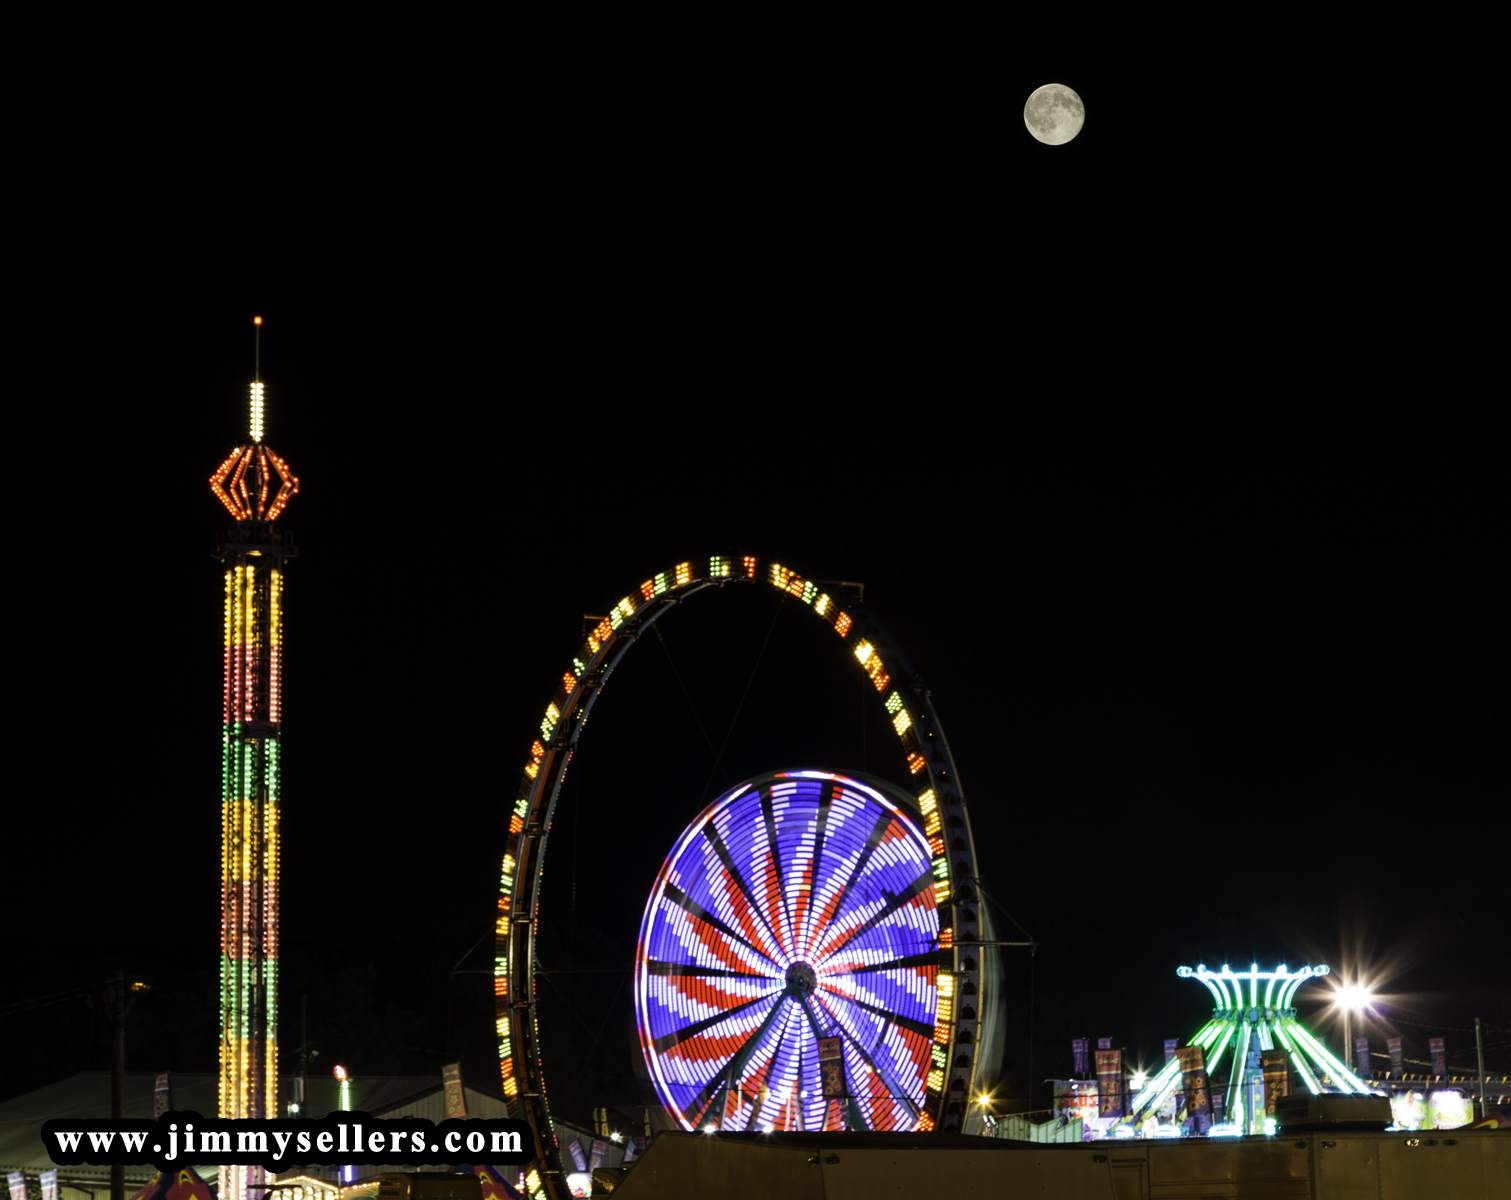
(254,484)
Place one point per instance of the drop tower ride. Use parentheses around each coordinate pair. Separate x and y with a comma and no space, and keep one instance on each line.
(254,484)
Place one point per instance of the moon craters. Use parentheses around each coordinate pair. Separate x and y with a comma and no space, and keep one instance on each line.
(1054,114)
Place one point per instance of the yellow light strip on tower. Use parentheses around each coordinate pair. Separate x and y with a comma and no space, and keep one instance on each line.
(257,412)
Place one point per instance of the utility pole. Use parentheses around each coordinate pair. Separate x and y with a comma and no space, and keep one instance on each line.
(120,1009)
(118,1074)
(1032,947)
(1479,1044)
(304,1051)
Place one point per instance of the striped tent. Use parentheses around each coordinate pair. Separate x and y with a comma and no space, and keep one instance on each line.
(175,1185)
(495,1186)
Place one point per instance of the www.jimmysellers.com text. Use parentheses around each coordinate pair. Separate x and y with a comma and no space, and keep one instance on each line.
(176,1139)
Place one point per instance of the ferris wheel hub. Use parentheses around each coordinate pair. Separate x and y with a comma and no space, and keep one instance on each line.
(801,979)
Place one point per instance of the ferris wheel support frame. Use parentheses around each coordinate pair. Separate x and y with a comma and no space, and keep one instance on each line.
(936,782)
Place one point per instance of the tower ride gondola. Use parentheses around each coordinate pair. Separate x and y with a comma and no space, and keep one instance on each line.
(923,1065)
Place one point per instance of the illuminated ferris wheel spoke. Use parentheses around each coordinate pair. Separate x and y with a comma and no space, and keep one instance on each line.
(923,883)
(680,898)
(900,1040)
(895,1091)
(786,1068)
(677,1036)
(755,1088)
(816,864)
(774,848)
(892,1091)
(733,875)
(750,1095)
(857,1118)
(833,907)
(897,1019)
(656,967)
(929,958)
(712,1098)
(730,1072)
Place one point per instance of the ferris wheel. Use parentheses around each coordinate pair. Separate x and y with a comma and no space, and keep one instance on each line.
(787,973)
(810,932)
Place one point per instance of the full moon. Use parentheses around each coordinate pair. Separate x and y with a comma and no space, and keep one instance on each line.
(1054,114)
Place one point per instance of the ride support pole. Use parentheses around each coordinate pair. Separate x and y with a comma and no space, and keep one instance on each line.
(118,1074)
(1479,1044)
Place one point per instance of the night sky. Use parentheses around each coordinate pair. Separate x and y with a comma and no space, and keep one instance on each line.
(1151,450)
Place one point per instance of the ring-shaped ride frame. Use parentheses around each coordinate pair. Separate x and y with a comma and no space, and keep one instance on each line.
(941,801)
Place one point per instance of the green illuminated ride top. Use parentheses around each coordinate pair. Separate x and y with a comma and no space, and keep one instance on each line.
(1250,1018)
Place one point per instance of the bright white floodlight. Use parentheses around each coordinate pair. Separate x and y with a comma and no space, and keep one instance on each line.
(1354,997)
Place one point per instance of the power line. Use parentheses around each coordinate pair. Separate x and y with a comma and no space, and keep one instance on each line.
(733,720)
(1394,1020)
(697,719)
(40,1001)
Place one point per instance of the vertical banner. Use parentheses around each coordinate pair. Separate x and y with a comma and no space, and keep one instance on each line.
(579,1159)
(456,1099)
(1193,1068)
(831,1068)
(1397,1062)
(1439,1056)
(596,1152)
(17,1181)
(1109,1083)
(1178,1098)
(1361,1056)
(1104,1043)
(1277,1076)
(634,1147)
(1254,1115)
(1276,1064)
(1080,1047)
(49,1182)
(162,1096)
